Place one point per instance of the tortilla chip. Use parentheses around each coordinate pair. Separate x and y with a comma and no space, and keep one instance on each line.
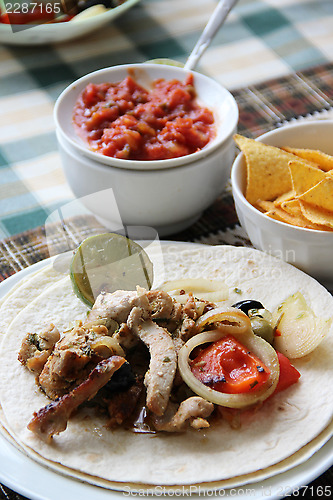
(304,177)
(295,219)
(324,160)
(265,206)
(317,216)
(273,214)
(320,195)
(268,173)
(282,216)
(292,207)
(290,195)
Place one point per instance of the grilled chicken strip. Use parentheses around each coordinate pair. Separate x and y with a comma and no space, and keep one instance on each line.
(163,359)
(36,348)
(69,362)
(117,305)
(52,419)
(193,411)
(71,358)
(161,304)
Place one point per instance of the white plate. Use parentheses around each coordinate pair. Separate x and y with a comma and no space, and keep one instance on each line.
(36,482)
(61,32)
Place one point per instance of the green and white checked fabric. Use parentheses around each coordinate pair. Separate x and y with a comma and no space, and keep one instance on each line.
(261,39)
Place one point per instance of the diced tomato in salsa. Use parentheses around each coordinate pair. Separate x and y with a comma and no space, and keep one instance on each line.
(124,120)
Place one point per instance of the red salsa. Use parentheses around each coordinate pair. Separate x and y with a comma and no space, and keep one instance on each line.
(125,120)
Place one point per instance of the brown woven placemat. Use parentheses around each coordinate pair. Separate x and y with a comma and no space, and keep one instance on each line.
(262,107)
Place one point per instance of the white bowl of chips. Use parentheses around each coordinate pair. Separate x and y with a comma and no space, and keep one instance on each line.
(284,197)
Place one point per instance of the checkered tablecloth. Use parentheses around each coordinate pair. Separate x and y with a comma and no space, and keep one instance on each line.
(276,56)
(262,39)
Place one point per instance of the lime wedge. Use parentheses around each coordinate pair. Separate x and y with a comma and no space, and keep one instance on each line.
(168,62)
(109,262)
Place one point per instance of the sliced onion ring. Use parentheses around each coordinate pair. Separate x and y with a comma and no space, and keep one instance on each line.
(257,345)
(205,289)
(229,320)
(109,343)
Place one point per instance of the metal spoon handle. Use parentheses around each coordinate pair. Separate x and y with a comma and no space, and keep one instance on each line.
(215,22)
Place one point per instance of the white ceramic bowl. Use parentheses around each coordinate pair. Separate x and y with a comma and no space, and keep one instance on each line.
(165,194)
(210,93)
(308,249)
(60,32)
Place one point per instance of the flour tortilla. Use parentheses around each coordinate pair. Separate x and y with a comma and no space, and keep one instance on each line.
(288,422)
(24,292)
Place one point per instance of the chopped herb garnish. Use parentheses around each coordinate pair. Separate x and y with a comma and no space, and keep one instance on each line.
(33,339)
(238,290)
(86,350)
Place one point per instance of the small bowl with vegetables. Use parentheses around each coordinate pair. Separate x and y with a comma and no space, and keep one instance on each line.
(52,22)
(159,137)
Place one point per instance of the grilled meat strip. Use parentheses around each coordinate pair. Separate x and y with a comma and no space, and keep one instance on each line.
(161,304)
(71,359)
(163,359)
(69,362)
(191,412)
(36,348)
(140,315)
(116,305)
(52,419)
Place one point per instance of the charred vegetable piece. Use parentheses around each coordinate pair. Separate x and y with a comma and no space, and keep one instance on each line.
(263,361)
(228,366)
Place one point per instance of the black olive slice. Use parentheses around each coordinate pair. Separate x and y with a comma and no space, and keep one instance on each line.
(247,305)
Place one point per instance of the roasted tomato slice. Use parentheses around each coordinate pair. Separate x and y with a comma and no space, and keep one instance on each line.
(289,375)
(227,366)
